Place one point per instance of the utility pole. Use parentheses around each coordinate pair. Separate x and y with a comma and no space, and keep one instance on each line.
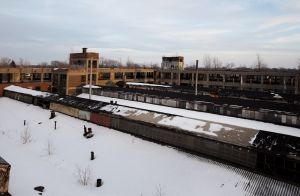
(91,74)
(196,87)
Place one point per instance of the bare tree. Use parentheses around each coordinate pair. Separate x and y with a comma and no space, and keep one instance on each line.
(25,135)
(106,62)
(59,63)
(23,62)
(50,148)
(84,175)
(260,64)
(43,63)
(207,62)
(154,65)
(5,61)
(216,62)
(230,65)
(159,191)
(129,63)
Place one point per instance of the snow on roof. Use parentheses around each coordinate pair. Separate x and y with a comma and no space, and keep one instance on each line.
(221,132)
(92,86)
(146,84)
(26,91)
(250,124)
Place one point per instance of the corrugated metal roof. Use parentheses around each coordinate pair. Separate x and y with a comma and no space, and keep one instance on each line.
(80,103)
(254,184)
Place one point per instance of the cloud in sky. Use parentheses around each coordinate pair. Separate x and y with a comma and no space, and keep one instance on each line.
(234,30)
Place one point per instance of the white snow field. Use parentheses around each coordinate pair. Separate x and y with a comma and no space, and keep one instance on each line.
(128,166)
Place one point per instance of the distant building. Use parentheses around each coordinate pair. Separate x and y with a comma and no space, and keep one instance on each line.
(32,77)
(274,80)
(70,79)
(84,59)
(173,63)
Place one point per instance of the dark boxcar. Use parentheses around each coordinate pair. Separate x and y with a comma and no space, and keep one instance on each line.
(19,96)
(95,118)
(104,120)
(101,119)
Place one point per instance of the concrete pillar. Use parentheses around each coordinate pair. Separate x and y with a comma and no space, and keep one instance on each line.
(284,83)
(124,76)
(172,76)
(42,75)
(86,72)
(242,82)
(193,79)
(207,80)
(97,72)
(261,83)
(31,75)
(112,74)
(178,79)
(134,75)
(223,82)
(297,84)
(67,84)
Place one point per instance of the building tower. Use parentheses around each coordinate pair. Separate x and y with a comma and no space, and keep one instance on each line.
(85,60)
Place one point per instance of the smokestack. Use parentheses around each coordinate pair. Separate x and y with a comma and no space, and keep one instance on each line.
(84,50)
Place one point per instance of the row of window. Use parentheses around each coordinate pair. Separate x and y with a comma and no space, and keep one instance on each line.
(6,78)
(127,75)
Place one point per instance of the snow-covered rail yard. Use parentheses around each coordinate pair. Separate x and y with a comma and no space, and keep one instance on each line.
(126,164)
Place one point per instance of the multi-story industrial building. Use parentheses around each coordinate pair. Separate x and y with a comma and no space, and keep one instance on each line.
(281,81)
(173,63)
(34,77)
(70,79)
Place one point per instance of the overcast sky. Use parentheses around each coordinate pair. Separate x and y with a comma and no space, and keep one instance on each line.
(144,31)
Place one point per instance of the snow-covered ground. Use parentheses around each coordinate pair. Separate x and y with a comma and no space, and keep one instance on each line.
(251,124)
(128,166)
